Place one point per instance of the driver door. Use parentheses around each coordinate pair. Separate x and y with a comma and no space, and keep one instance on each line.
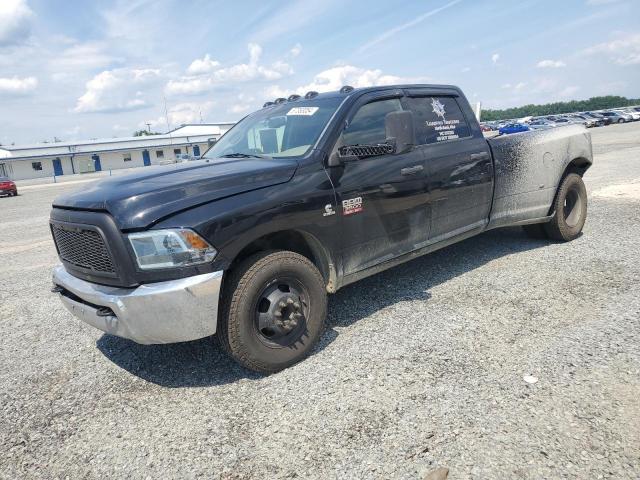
(382,199)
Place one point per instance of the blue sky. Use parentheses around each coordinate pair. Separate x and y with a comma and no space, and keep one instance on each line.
(79,69)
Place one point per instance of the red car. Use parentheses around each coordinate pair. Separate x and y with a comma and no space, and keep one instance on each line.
(7,187)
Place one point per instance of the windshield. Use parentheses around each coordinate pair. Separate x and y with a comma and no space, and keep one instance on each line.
(289,129)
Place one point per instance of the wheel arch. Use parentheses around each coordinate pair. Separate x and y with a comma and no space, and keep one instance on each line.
(578,165)
(297,241)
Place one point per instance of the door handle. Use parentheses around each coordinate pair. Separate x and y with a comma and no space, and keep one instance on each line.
(480,156)
(412,170)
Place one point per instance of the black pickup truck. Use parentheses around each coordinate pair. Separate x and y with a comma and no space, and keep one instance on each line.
(298,199)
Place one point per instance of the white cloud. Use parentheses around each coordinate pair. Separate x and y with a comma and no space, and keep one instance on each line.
(18,86)
(296,50)
(551,64)
(518,87)
(180,114)
(494,58)
(336,77)
(15,22)
(243,72)
(116,90)
(399,28)
(624,50)
(202,66)
(244,104)
(85,56)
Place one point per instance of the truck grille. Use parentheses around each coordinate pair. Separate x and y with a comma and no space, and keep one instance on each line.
(82,248)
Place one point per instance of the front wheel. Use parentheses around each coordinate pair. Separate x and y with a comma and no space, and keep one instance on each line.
(273,311)
(570,208)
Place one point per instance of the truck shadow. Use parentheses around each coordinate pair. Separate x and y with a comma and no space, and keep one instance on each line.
(201,363)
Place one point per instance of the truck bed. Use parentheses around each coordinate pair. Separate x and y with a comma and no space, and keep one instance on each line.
(528,168)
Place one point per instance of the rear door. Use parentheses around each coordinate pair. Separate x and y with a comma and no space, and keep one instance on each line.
(459,168)
(382,199)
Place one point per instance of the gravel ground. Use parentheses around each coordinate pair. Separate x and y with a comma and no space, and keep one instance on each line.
(421,367)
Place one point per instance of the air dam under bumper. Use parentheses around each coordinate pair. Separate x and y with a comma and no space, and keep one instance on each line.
(163,312)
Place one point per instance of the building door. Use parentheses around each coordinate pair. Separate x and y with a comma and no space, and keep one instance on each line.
(57,167)
(96,163)
(196,150)
(145,158)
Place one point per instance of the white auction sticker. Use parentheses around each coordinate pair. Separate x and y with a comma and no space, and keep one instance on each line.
(302,111)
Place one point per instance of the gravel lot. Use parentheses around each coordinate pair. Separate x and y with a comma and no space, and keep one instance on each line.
(422,366)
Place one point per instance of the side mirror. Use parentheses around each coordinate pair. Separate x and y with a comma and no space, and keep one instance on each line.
(399,130)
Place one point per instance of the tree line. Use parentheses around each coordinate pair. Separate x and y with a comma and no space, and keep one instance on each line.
(594,103)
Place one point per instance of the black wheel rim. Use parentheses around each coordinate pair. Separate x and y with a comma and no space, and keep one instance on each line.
(281,312)
(572,208)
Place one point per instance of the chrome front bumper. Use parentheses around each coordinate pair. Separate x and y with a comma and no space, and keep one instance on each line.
(163,312)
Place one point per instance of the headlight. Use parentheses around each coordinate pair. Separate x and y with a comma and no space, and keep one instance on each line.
(170,248)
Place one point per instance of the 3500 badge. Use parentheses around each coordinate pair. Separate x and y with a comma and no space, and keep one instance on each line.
(351,206)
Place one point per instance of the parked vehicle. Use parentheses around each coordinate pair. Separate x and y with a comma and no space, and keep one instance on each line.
(297,200)
(606,120)
(541,124)
(564,121)
(8,187)
(616,117)
(590,122)
(635,116)
(513,128)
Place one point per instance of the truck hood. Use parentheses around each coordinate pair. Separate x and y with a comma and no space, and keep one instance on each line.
(140,199)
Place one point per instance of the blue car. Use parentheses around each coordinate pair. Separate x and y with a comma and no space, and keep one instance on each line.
(513,128)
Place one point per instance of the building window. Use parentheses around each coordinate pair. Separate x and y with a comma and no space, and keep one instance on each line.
(126,157)
(177,151)
(36,165)
(159,154)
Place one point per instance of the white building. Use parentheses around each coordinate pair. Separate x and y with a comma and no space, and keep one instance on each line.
(66,158)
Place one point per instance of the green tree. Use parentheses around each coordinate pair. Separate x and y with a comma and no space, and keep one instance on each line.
(144,133)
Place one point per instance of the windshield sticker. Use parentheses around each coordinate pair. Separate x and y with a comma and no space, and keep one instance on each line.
(444,128)
(307,111)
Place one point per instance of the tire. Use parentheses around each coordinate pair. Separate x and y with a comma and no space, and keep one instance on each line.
(535,231)
(621,121)
(570,206)
(273,311)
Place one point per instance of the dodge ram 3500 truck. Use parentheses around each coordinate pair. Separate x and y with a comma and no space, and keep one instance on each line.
(298,199)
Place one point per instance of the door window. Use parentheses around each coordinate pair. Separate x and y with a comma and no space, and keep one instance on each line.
(367,125)
(438,119)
